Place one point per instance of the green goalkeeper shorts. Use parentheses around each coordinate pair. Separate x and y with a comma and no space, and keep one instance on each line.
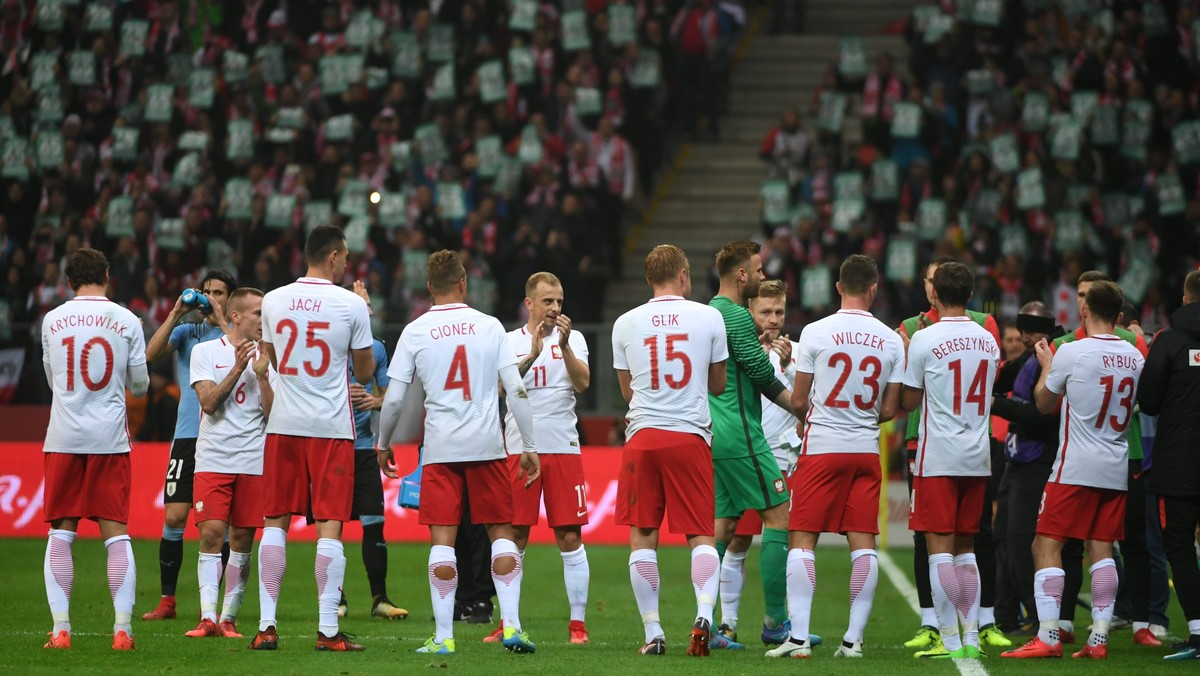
(752,482)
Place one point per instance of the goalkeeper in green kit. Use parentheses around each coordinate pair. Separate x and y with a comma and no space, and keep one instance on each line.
(746,473)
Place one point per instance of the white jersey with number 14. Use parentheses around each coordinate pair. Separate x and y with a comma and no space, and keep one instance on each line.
(667,346)
(1098,378)
(457,353)
(954,361)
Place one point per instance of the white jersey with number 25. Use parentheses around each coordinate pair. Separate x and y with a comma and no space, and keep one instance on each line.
(667,346)
(457,353)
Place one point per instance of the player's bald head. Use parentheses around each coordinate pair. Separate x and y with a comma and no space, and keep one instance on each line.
(241,297)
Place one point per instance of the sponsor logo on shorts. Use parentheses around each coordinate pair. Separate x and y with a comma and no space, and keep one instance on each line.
(1193,357)
(200,506)
(779,487)
(581,513)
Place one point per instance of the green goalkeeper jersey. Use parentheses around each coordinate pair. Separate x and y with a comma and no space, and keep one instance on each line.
(737,412)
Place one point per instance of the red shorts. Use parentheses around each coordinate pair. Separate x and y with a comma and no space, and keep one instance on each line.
(947,504)
(87,486)
(303,471)
(484,482)
(560,486)
(836,493)
(663,470)
(1069,512)
(235,499)
(750,523)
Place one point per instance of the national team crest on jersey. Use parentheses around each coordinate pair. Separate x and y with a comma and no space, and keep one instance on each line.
(779,487)
(200,506)
(1193,357)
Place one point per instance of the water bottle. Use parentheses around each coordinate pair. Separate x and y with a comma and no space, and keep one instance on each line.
(194,299)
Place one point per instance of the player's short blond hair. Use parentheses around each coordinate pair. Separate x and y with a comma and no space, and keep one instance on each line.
(663,264)
(444,270)
(773,288)
(536,278)
(234,302)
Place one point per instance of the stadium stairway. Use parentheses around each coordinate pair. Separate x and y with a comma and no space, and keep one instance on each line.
(709,195)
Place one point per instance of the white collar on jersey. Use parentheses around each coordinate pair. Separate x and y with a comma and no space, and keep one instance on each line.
(447,306)
(314,280)
(661,298)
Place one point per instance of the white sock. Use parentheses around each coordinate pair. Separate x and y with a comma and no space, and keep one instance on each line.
(208,574)
(1138,626)
(1193,627)
(441,592)
(733,579)
(929,617)
(577,575)
(59,571)
(1067,625)
(706,579)
(1048,586)
(237,574)
(272,562)
(643,575)
(864,578)
(330,571)
(943,582)
(967,569)
(122,581)
(987,615)
(801,586)
(1104,597)
(508,585)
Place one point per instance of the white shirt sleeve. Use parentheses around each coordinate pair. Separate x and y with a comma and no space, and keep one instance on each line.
(202,366)
(914,375)
(504,352)
(268,322)
(1060,370)
(403,366)
(578,345)
(620,362)
(895,363)
(806,358)
(360,325)
(720,346)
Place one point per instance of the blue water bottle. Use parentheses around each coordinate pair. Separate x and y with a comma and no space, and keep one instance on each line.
(194,299)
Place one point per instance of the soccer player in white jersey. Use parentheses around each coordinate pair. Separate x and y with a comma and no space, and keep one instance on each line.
(768,309)
(669,354)
(554,364)
(951,367)
(232,379)
(92,349)
(1095,380)
(311,327)
(848,375)
(456,355)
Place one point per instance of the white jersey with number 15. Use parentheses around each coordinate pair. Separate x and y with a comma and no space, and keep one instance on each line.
(457,353)
(313,325)
(667,346)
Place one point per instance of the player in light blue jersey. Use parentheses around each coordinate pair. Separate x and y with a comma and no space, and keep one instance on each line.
(172,336)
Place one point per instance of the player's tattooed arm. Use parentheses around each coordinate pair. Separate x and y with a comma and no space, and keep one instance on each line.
(535,350)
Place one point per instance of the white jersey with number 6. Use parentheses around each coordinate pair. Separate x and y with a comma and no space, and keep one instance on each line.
(231,440)
(551,395)
(89,345)
(457,353)
(954,361)
(667,346)
(313,325)
(852,357)
(1098,378)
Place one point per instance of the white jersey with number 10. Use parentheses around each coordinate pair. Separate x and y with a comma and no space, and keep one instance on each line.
(313,325)
(852,357)
(1098,378)
(457,353)
(667,346)
(90,343)
(954,361)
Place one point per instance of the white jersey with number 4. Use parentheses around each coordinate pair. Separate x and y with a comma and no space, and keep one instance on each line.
(852,357)
(1098,378)
(778,425)
(551,395)
(667,346)
(954,361)
(231,440)
(457,353)
(313,325)
(89,344)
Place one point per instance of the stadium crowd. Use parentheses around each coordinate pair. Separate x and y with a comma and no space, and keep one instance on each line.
(184,136)
(1033,140)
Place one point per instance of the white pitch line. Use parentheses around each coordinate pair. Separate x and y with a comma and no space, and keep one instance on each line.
(900,581)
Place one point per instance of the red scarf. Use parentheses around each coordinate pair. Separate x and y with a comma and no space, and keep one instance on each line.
(616,168)
(892,92)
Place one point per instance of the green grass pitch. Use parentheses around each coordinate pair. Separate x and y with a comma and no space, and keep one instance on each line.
(612,619)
